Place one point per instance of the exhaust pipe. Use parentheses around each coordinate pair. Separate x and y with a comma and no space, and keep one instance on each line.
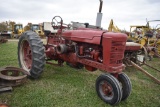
(99,15)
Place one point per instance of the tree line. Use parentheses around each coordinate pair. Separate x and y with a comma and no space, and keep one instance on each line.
(6,25)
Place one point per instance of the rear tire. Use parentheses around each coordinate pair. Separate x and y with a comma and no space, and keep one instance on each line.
(108,89)
(31,55)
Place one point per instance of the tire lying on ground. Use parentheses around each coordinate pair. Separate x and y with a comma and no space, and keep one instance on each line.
(31,55)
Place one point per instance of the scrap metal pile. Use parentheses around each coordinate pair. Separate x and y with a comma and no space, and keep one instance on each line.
(148,37)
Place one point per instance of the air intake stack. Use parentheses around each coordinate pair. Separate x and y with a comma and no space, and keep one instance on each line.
(99,15)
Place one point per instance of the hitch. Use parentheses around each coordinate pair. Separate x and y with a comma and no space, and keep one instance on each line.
(144,71)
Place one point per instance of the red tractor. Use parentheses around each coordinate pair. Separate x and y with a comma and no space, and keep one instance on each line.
(79,45)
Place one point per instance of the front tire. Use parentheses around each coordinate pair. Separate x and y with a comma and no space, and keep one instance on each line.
(126,85)
(108,89)
(31,55)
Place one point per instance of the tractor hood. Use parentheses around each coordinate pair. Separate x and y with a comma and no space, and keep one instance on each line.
(92,36)
(84,35)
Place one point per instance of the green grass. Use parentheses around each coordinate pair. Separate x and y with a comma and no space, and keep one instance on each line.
(69,87)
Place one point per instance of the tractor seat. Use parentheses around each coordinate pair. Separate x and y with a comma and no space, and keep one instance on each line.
(131,46)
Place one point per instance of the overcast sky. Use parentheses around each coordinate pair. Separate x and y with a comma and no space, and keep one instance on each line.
(123,12)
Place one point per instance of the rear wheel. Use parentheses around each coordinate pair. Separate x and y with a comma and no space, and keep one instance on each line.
(108,89)
(31,53)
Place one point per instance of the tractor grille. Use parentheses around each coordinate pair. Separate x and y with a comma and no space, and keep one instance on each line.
(117,52)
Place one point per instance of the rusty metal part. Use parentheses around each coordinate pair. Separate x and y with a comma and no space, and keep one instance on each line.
(12,76)
(5,88)
(145,72)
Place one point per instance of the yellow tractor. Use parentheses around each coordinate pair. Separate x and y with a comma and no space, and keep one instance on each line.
(36,28)
(17,30)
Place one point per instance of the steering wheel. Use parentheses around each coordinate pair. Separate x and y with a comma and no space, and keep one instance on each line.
(57,22)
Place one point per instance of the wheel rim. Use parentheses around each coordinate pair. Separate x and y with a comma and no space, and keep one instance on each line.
(25,55)
(106,90)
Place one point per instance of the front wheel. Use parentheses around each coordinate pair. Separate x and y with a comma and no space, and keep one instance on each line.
(31,55)
(108,89)
(125,84)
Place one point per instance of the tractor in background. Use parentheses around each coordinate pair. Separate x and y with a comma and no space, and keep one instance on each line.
(17,30)
(38,28)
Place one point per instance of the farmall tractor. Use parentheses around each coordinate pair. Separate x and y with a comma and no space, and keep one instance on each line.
(80,45)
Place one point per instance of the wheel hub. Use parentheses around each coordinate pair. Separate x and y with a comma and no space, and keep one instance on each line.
(26,55)
(106,89)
